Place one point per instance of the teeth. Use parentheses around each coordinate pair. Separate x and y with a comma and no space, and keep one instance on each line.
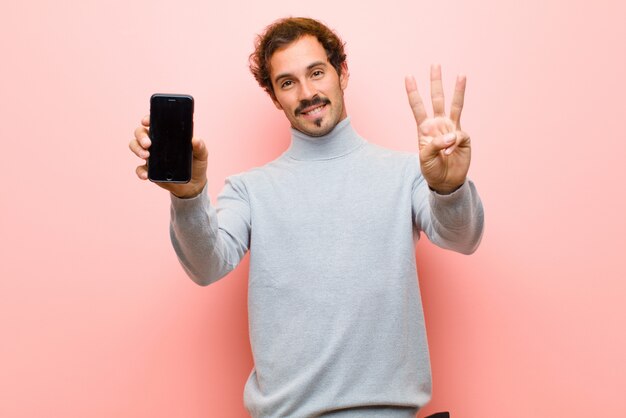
(315,111)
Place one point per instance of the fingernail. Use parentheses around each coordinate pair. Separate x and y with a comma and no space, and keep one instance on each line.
(448,151)
(449,138)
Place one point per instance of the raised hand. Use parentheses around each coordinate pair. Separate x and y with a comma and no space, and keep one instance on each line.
(444,149)
(140,146)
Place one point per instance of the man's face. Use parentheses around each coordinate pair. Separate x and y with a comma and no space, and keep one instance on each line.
(307,86)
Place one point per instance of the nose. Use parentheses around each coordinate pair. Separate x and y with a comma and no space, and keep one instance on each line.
(307,90)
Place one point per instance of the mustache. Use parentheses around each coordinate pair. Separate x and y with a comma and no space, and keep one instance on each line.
(315,101)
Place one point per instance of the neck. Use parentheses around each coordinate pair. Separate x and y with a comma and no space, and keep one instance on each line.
(340,141)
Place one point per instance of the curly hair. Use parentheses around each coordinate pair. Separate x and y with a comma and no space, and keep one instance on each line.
(285,31)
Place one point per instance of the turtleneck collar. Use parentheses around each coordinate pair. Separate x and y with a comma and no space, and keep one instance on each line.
(341,141)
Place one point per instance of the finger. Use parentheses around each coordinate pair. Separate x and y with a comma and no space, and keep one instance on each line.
(458,99)
(428,127)
(435,127)
(141,134)
(448,150)
(431,127)
(462,140)
(438,144)
(137,149)
(146,121)
(142,172)
(436,90)
(415,101)
(200,151)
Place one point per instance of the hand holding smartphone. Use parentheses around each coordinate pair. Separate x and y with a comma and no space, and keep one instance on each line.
(171,131)
(171,173)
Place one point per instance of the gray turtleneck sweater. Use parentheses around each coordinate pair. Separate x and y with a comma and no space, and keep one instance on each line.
(335,315)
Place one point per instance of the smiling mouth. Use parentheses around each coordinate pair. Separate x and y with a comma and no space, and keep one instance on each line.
(315,111)
(311,107)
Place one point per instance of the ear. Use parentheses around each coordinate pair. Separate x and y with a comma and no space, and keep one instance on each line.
(345,75)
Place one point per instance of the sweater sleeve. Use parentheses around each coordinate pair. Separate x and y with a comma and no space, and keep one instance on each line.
(211,241)
(454,221)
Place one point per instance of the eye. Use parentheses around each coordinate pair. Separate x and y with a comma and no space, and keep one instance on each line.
(286,84)
(317,73)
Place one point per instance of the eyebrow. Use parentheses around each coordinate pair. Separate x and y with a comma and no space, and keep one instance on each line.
(309,67)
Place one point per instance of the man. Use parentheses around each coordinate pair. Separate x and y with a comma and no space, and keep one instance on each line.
(336,322)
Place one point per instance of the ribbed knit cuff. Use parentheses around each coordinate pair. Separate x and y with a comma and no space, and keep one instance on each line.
(180,204)
(451,197)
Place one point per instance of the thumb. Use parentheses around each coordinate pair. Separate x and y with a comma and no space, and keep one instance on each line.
(441,142)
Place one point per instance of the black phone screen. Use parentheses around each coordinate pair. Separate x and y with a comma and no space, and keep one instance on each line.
(171,130)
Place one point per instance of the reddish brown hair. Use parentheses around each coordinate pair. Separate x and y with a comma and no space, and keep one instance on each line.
(285,31)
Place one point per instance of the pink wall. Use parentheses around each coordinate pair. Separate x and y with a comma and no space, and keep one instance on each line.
(96,316)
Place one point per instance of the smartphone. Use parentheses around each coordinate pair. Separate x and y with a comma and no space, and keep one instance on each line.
(171,130)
